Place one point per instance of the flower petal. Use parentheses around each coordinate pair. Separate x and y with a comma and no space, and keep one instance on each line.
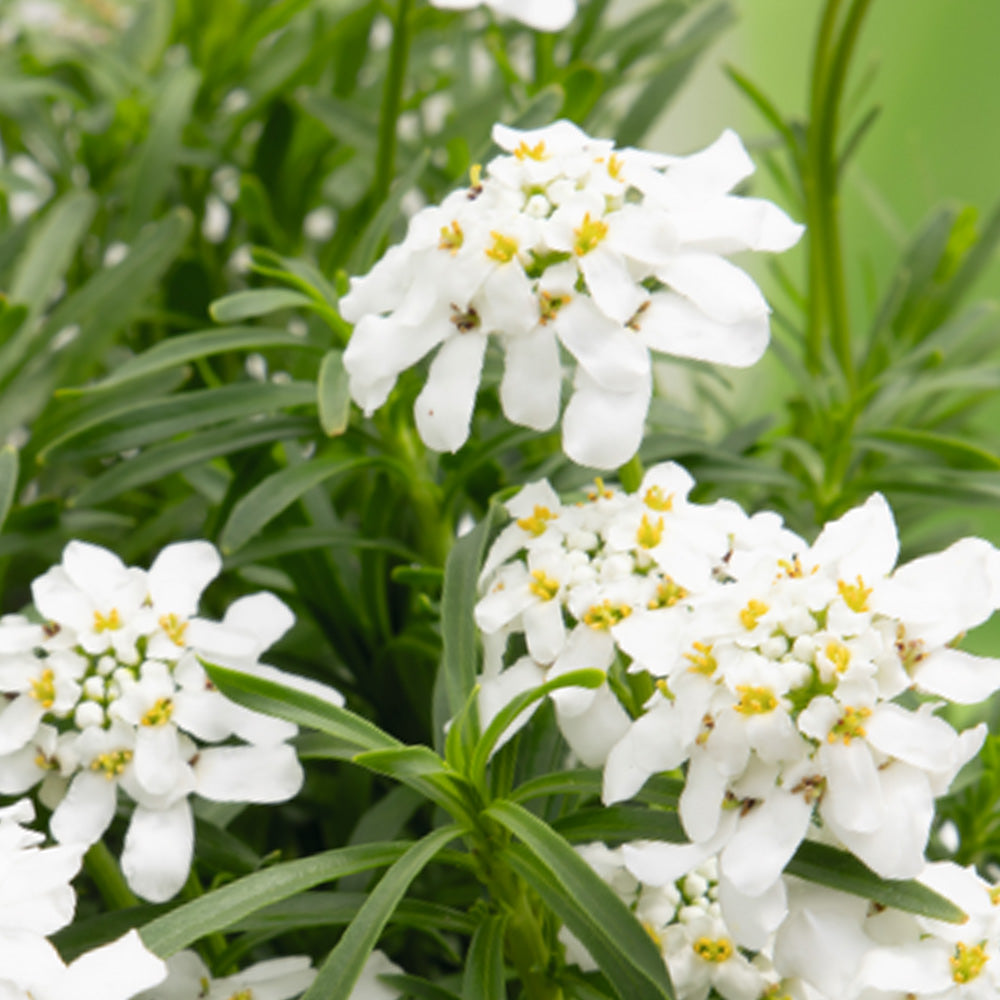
(443,409)
(157,853)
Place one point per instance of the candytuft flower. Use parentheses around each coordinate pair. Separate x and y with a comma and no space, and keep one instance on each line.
(566,250)
(547,15)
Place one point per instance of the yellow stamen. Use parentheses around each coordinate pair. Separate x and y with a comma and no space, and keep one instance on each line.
(526,152)
(792,569)
(910,651)
(668,593)
(849,726)
(452,238)
(112,763)
(838,654)
(615,165)
(536,523)
(603,616)
(715,950)
(652,932)
(600,491)
(43,689)
(855,595)
(549,304)
(174,628)
(107,623)
(475,175)
(967,962)
(649,534)
(995,895)
(246,994)
(504,248)
(702,661)
(542,585)
(654,498)
(664,689)
(752,613)
(159,714)
(755,700)
(589,235)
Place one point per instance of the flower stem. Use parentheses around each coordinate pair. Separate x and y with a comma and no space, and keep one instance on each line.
(392,100)
(631,473)
(102,867)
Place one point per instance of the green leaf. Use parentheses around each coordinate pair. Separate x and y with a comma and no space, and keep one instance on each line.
(590,909)
(955,452)
(54,241)
(345,121)
(302,539)
(334,394)
(303,709)
(484,973)
(176,456)
(190,346)
(586,678)
(459,636)
(828,866)
(342,967)
(619,824)
(223,907)
(280,490)
(421,989)
(8,480)
(257,302)
(403,762)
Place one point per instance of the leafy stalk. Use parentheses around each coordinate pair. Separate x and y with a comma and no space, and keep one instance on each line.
(392,100)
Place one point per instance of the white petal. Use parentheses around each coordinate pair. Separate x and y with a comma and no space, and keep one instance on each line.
(718,288)
(156,857)
(863,542)
(263,616)
(496,692)
(613,355)
(19,722)
(753,919)
(381,347)
(86,811)
(700,805)
(532,379)
(604,429)
(592,733)
(616,293)
(443,409)
(552,15)
(180,573)
(853,797)
(958,676)
(157,762)
(248,774)
(711,171)
(731,224)
(115,971)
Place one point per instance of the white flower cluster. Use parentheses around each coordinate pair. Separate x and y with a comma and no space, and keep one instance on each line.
(566,242)
(542,15)
(781,675)
(827,945)
(188,978)
(107,692)
(36,900)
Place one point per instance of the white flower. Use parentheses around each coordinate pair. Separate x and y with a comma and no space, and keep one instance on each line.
(566,245)
(542,15)
(188,978)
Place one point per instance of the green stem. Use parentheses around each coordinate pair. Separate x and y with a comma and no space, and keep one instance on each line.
(544,58)
(392,100)
(102,867)
(631,473)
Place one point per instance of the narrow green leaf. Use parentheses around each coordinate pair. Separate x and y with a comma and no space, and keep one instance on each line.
(223,907)
(403,762)
(257,302)
(340,971)
(590,909)
(54,241)
(191,346)
(828,866)
(955,452)
(345,121)
(280,490)
(421,989)
(176,456)
(459,661)
(302,539)
(586,678)
(619,824)
(303,709)
(334,394)
(484,972)
(8,480)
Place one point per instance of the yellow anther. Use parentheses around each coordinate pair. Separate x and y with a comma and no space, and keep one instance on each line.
(542,585)
(475,175)
(159,714)
(43,689)
(995,895)
(849,726)
(792,568)
(855,595)
(504,248)
(536,523)
(668,593)
(246,994)
(549,304)
(968,961)
(603,616)
(664,688)
(45,763)
(465,319)
(452,238)
(755,700)
(589,235)
(702,661)
(174,628)
(707,725)
(107,623)
(526,152)
(752,613)
(615,165)
(112,763)
(838,654)
(650,534)
(655,499)
(653,933)
(716,950)
(775,992)
(910,651)
(600,491)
